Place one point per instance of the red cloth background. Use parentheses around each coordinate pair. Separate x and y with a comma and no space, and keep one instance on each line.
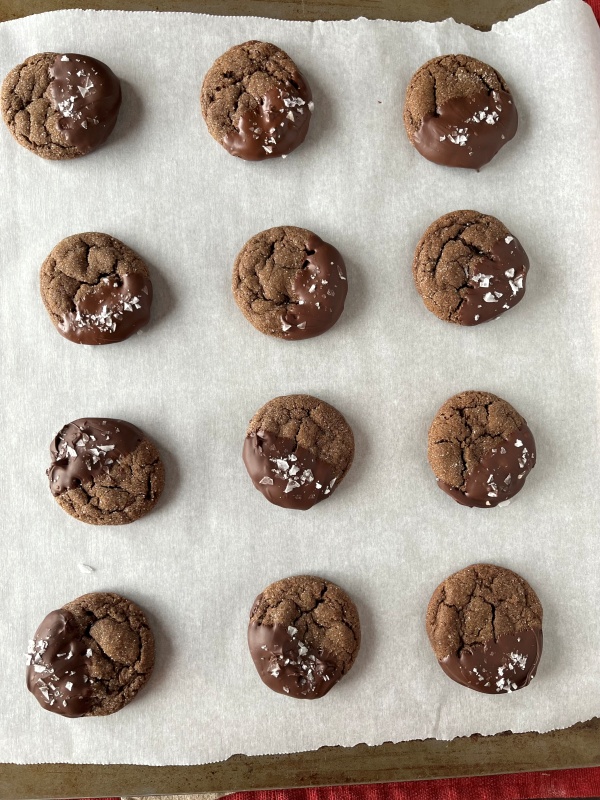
(595,4)
(565,783)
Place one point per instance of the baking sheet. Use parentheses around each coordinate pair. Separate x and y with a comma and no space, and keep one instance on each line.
(194,378)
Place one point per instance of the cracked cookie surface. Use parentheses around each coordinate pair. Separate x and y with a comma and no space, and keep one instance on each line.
(484,624)
(480,449)
(90,657)
(60,106)
(289,283)
(458,111)
(304,635)
(255,102)
(468,268)
(297,450)
(96,289)
(105,471)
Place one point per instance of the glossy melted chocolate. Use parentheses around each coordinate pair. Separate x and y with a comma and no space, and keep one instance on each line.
(287,474)
(276,126)
(468,131)
(57,666)
(500,474)
(496,667)
(87,448)
(87,95)
(287,665)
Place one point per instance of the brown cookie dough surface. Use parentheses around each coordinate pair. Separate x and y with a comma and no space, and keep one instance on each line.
(289,283)
(61,105)
(90,657)
(255,102)
(304,635)
(96,289)
(480,449)
(105,471)
(485,627)
(469,268)
(458,111)
(298,449)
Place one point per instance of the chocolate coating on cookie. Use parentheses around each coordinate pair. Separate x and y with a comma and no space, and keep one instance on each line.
(459,112)
(105,471)
(96,289)
(255,102)
(480,449)
(297,450)
(61,105)
(90,657)
(469,268)
(289,283)
(304,635)
(485,627)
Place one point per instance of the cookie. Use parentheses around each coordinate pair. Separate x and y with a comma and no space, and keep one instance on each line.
(469,268)
(289,283)
(255,102)
(459,112)
(61,105)
(297,450)
(480,449)
(90,657)
(485,627)
(105,471)
(96,289)
(304,636)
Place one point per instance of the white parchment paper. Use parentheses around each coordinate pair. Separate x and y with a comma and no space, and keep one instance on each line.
(197,374)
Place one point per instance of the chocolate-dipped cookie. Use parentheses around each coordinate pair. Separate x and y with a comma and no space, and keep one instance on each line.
(480,449)
(61,105)
(297,450)
(90,657)
(469,268)
(105,471)
(485,627)
(304,635)
(289,283)
(255,102)
(96,289)
(459,112)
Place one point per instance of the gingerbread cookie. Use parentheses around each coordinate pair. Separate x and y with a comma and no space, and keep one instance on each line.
(298,450)
(90,657)
(485,627)
(459,112)
(289,283)
(255,102)
(469,268)
(480,449)
(61,105)
(105,471)
(304,635)
(96,289)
